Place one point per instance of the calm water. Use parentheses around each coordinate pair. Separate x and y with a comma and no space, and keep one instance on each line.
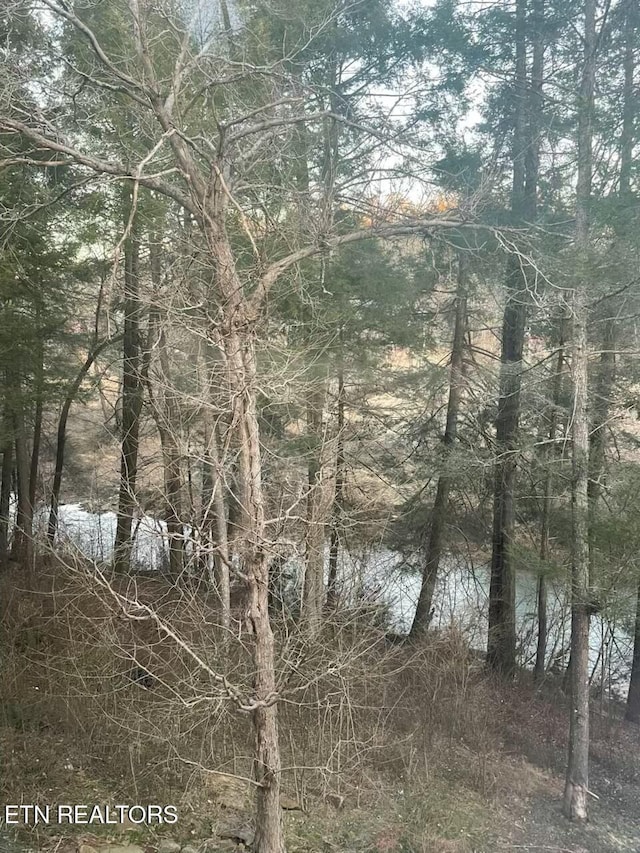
(379,575)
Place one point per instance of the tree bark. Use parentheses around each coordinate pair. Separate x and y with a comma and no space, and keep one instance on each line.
(577,780)
(422,616)
(501,645)
(237,335)
(132,397)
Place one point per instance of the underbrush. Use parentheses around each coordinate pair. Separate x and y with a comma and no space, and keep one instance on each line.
(385,747)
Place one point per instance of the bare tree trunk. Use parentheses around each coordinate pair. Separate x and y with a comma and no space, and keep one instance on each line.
(422,616)
(313,591)
(132,396)
(237,340)
(577,781)
(338,498)
(501,646)
(547,507)
(269,836)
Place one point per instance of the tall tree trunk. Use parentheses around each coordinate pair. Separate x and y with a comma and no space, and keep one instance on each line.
(132,397)
(422,616)
(269,835)
(237,334)
(313,591)
(338,497)
(577,781)
(501,646)
(550,457)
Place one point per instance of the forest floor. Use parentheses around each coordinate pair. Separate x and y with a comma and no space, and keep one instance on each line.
(451,761)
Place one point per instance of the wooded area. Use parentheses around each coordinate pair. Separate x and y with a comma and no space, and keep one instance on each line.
(299,300)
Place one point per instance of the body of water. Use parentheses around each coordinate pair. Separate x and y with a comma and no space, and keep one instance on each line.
(379,576)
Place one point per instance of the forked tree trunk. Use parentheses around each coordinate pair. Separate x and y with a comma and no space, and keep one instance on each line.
(132,396)
(439,513)
(313,590)
(577,781)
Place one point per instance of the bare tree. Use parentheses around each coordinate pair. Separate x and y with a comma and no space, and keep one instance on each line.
(577,782)
(205,176)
